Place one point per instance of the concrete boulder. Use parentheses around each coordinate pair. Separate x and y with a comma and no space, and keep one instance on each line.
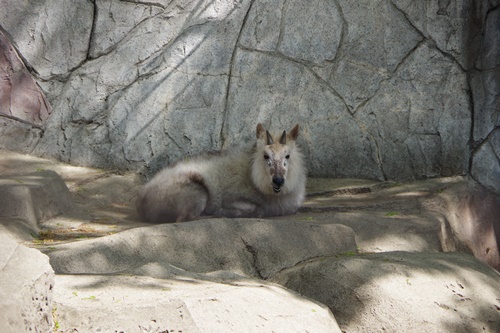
(26,287)
(402,291)
(222,275)
(469,215)
(255,248)
(187,277)
(34,197)
(185,302)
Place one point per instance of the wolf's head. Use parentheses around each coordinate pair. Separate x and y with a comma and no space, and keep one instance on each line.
(277,162)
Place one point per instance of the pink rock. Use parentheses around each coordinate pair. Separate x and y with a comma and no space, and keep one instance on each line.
(20,96)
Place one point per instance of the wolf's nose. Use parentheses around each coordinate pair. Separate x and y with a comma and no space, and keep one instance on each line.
(278,181)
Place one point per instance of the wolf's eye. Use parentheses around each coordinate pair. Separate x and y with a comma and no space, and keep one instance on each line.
(287,156)
(266,157)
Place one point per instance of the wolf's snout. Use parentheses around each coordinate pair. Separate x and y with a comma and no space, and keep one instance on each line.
(278,181)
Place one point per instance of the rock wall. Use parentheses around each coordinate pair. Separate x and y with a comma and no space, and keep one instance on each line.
(484,80)
(383,89)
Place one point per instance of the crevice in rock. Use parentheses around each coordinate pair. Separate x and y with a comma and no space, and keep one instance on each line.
(482,39)
(3,115)
(93,28)
(162,49)
(380,162)
(410,22)
(392,75)
(307,261)
(342,40)
(253,253)
(428,38)
(276,54)
(481,143)
(332,89)
(173,140)
(342,31)
(222,134)
(411,161)
(400,205)
(25,62)
(373,139)
(147,3)
(472,143)
(282,25)
(63,78)
(447,55)
(406,57)
(351,113)
(177,70)
(117,43)
(353,190)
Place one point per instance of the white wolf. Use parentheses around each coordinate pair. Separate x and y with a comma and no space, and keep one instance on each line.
(264,179)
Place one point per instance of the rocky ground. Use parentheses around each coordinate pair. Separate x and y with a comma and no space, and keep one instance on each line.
(360,256)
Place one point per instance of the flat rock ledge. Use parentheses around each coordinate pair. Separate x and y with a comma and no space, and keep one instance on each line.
(360,256)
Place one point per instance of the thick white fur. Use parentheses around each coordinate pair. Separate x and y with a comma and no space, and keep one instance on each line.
(233,183)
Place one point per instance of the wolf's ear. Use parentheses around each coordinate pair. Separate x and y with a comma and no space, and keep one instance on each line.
(294,133)
(260,131)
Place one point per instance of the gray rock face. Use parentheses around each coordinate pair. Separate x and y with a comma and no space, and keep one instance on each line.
(381,88)
(53,38)
(416,119)
(485,85)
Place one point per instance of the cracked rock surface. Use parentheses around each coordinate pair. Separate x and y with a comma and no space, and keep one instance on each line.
(385,89)
(360,256)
